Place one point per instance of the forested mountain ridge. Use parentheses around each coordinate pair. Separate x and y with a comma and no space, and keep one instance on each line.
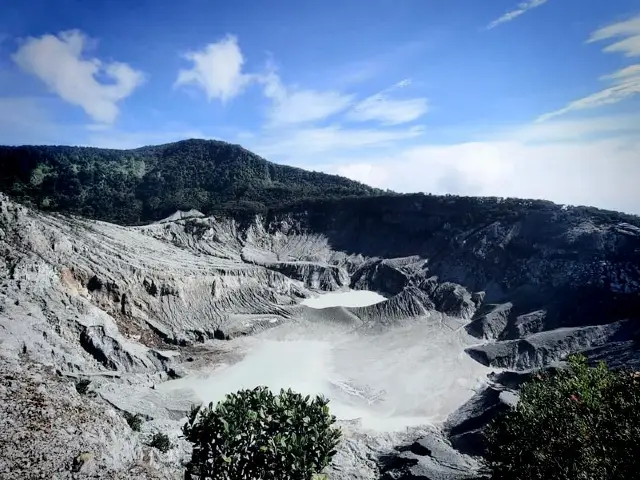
(148,183)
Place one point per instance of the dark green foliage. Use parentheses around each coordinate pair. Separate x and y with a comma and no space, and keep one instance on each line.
(579,423)
(82,386)
(256,434)
(134,421)
(149,183)
(161,442)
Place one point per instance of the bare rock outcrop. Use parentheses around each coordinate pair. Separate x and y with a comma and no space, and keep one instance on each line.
(49,430)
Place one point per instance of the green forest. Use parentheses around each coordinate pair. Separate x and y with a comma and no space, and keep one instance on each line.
(150,183)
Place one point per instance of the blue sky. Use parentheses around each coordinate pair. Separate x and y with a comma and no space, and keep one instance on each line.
(537,98)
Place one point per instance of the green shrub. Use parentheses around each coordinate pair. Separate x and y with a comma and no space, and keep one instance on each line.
(256,434)
(579,423)
(134,421)
(161,442)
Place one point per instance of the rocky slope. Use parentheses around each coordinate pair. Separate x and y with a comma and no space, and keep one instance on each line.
(130,307)
(515,268)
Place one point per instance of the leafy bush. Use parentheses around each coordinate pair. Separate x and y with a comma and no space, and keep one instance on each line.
(579,423)
(256,434)
(161,442)
(134,421)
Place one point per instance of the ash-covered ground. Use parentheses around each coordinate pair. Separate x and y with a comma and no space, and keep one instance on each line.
(398,319)
(407,376)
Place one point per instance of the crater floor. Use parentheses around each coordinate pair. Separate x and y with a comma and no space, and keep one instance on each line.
(403,377)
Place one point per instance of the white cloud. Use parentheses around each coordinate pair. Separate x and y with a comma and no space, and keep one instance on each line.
(217,69)
(620,90)
(629,30)
(623,73)
(577,161)
(522,7)
(308,105)
(58,61)
(466,167)
(601,173)
(294,105)
(587,162)
(380,107)
(563,131)
(403,83)
(292,145)
(625,83)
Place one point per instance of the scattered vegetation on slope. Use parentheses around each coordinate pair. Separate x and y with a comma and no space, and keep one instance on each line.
(160,441)
(256,434)
(579,423)
(134,421)
(149,183)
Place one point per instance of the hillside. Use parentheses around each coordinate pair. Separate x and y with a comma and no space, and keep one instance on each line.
(149,183)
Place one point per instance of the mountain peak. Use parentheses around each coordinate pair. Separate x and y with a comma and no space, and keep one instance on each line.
(150,183)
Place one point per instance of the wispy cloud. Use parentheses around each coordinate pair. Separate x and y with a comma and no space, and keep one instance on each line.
(538,160)
(218,70)
(387,110)
(58,61)
(392,59)
(628,31)
(291,145)
(291,105)
(624,83)
(522,8)
(575,130)
(623,87)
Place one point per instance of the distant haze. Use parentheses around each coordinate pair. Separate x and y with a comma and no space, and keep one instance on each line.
(602,173)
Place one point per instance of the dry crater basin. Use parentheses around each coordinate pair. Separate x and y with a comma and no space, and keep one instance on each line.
(403,377)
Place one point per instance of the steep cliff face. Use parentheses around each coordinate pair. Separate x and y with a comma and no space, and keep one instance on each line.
(489,244)
(127,306)
(514,267)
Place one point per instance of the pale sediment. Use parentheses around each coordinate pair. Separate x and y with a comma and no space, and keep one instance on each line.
(130,308)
